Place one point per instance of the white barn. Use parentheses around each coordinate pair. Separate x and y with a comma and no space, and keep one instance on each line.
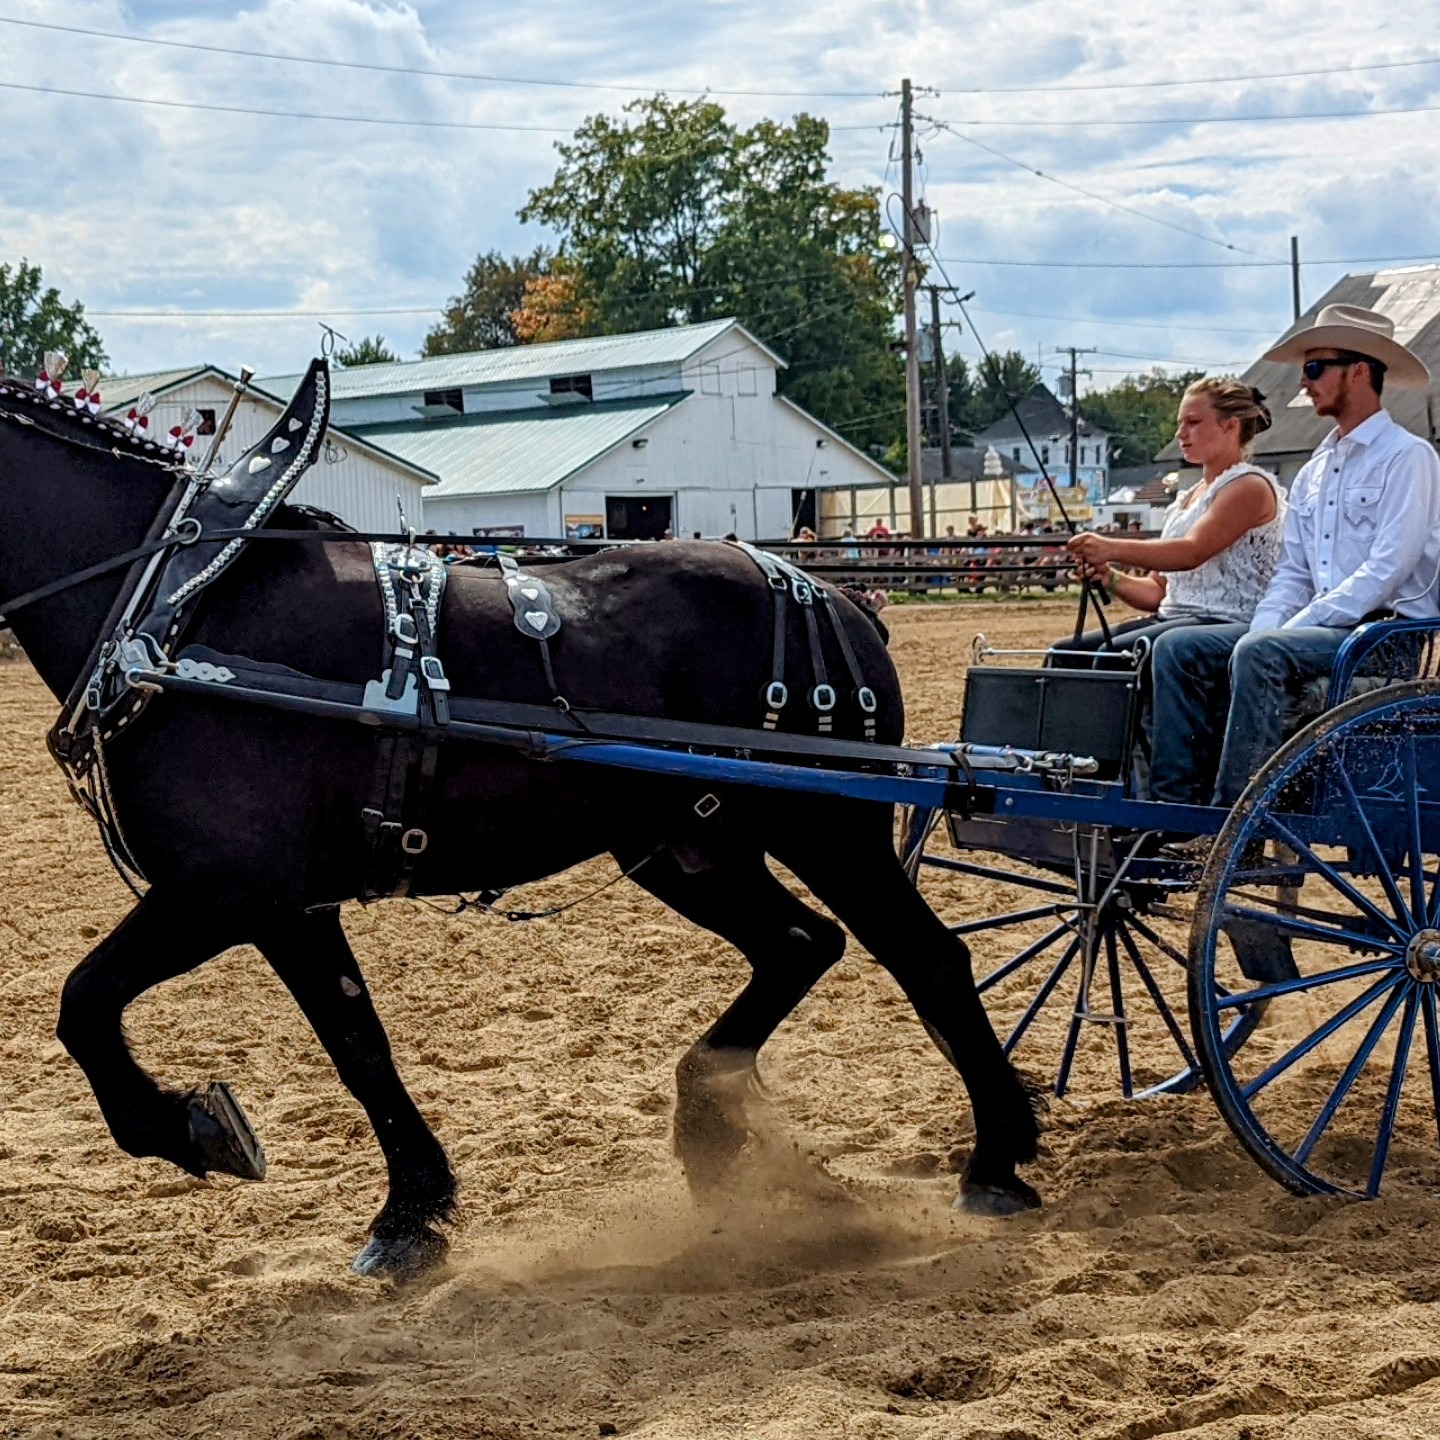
(625,436)
(352,478)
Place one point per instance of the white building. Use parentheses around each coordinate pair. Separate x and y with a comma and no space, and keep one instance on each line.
(1046,426)
(352,478)
(625,436)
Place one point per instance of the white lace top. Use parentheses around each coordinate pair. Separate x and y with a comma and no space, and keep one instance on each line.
(1229,585)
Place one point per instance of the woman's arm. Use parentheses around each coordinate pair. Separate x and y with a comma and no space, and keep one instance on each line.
(1242,505)
(1143,592)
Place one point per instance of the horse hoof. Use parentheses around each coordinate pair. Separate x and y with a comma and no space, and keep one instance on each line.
(222,1137)
(401,1257)
(996,1200)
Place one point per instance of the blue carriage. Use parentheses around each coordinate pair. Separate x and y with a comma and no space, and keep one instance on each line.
(1306,948)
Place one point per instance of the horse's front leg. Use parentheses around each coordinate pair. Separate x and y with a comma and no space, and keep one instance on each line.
(165,935)
(313,959)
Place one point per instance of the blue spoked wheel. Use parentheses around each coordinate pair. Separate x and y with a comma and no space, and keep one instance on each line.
(1340,1082)
(1083,976)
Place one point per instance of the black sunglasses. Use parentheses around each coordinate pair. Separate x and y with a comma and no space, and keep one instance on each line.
(1314,369)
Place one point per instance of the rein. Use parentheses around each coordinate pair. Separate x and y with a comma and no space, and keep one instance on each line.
(195,532)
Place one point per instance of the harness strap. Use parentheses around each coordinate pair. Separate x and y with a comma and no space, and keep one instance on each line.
(776,694)
(864,695)
(822,693)
(412,582)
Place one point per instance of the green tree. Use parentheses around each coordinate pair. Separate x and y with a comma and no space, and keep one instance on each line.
(672,215)
(999,380)
(482,317)
(1138,413)
(34,319)
(372,350)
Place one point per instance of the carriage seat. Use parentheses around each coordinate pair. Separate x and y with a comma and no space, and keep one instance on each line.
(1374,655)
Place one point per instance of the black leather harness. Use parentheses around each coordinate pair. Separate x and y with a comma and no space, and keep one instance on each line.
(788,583)
(202,530)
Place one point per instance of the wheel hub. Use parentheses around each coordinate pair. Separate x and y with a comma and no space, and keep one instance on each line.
(1422,956)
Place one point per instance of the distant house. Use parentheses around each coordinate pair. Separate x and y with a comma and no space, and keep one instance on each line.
(626,436)
(1048,425)
(351,478)
(1411,298)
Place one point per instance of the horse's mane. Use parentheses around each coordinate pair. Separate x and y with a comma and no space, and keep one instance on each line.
(20,400)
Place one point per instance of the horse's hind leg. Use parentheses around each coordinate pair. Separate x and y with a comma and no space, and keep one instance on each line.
(847,859)
(163,936)
(313,959)
(789,948)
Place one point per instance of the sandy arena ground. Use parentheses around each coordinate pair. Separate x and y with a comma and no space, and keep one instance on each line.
(1167,1288)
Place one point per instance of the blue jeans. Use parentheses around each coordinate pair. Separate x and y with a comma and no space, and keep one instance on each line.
(1219,704)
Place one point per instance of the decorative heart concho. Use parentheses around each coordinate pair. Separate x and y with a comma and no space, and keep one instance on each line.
(536,619)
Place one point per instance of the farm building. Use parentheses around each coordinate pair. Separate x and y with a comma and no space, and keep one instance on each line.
(1411,298)
(621,435)
(352,478)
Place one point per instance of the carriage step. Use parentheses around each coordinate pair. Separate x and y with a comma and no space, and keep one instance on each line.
(1098,1017)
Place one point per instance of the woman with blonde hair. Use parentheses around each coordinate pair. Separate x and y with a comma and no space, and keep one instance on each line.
(1220,539)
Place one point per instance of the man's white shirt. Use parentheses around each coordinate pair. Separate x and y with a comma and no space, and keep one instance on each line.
(1362,532)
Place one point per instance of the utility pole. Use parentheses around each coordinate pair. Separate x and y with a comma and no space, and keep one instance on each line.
(942,386)
(1295,275)
(1072,351)
(914,444)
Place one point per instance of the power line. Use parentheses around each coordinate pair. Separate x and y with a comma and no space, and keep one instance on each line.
(316,115)
(1046,89)
(1194,80)
(1129,324)
(439,74)
(1104,122)
(282,114)
(1089,194)
(1430,259)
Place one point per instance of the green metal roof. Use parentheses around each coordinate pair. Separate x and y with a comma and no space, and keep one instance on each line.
(527,362)
(124,390)
(515,451)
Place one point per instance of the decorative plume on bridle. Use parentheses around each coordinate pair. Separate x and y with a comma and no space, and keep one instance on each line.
(48,381)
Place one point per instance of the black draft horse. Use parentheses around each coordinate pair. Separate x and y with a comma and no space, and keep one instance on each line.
(246,821)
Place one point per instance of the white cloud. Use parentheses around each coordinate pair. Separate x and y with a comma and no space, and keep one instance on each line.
(138,207)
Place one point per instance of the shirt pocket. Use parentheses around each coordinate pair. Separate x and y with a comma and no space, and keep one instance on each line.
(1362,506)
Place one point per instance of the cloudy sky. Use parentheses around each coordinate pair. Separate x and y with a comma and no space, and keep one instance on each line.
(212,215)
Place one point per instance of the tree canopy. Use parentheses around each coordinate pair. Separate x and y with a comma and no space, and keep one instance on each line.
(372,350)
(1139,413)
(34,319)
(482,317)
(672,215)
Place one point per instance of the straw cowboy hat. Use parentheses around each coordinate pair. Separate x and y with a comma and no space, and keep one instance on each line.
(1366,332)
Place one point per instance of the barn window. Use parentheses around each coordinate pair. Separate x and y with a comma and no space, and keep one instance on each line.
(446,399)
(573,385)
(207,421)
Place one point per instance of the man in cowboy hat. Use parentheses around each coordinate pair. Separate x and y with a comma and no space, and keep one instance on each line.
(1362,541)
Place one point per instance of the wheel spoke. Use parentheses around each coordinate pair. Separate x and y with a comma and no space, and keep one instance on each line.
(1042,995)
(1308,930)
(1392,1094)
(1347,1079)
(1013,917)
(1305,982)
(993,872)
(1336,879)
(1161,944)
(1281,904)
(1432,1050)
(1298,1052)
(1417,843)
(1027,954)
(1117,1002)
(1387,879)
(1166,1014)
